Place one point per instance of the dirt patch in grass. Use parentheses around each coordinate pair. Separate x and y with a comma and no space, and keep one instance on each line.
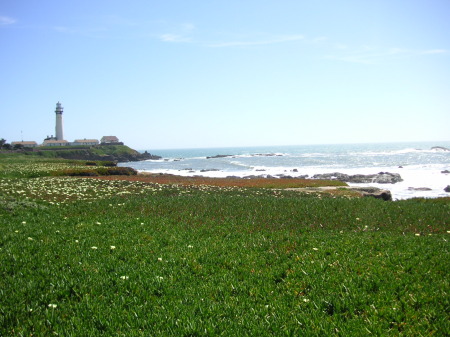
(227,182)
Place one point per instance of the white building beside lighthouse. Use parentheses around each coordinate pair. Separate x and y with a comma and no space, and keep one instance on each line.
(59,122)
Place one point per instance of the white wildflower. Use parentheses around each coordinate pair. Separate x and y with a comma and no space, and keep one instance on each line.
(51,305)
(112,247)
(124,277)
(93,247)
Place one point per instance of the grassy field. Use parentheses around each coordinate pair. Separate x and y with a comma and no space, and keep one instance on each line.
(98,257)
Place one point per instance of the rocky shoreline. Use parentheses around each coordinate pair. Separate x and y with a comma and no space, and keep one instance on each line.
(378,178)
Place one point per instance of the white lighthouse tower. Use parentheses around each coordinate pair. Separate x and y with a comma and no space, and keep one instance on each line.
(59,122)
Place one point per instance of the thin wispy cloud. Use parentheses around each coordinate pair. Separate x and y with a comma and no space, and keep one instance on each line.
(319,39)
(375,55)
(6,20)
(180,33)
(188,27)
(256,42)
(435,51)
(188,33)
(174,38)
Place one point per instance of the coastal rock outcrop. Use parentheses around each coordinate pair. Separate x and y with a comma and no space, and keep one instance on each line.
(374,192)
(440,148)
(447,189)
(379,178)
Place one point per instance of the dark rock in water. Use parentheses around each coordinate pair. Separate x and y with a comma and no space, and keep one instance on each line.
(379,178)
(209,170)
(387,178)
(447,189)
(400,166)
(440,148)
(258,177)
(283,176)
(260,170)
(294,170)
(445,172)
(266,155)
(332,176)
(419,189)
(220,156)
(374,192)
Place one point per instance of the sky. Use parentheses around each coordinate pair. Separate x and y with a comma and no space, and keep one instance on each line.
(224,73)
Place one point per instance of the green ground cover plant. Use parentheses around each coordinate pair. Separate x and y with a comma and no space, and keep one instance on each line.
(91,257)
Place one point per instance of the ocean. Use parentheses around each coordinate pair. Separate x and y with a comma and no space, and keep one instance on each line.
(419,164)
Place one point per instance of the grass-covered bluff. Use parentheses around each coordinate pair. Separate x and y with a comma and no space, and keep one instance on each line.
(117,153)
(91,257)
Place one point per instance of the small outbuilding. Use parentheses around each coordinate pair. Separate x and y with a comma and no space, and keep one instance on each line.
(109,140)
(52,142)
(85,141)
(25,144)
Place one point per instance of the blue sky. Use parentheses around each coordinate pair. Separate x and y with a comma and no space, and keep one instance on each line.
(185,74)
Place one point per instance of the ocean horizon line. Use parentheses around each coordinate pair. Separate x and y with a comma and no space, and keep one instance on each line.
(435,142)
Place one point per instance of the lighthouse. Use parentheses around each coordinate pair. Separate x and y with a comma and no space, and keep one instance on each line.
(59,122)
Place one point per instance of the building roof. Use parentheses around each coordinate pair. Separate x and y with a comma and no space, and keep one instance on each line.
(111,138)
(86,141)
(24,143)
(55,141)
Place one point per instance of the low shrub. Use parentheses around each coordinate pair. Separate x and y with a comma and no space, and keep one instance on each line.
(109,163)
(77,173)
(116,171)
(95,172)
